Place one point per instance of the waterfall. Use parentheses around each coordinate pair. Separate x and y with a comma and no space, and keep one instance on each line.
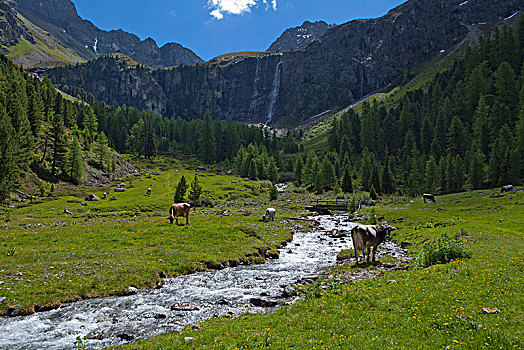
(361,78)
(274,93)
(256,93)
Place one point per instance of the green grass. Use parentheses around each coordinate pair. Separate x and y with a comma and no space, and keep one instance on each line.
(48,257)
(422,308)
(23,48)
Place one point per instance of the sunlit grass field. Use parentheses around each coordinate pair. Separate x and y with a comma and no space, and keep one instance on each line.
(48,257)
(439,307)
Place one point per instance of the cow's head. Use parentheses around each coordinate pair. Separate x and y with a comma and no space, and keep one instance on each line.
(264,218)
(171,219)
(388,229)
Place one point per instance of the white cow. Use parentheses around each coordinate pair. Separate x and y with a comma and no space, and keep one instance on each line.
(367,237)
(270,214)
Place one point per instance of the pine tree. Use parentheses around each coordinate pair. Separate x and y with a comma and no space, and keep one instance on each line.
(102,152)
(148,139)
(431,175)
(58,144)
(272,171)
(365,170)
(195,191)
(372,193)
(386,181)
(328,178)
(347,184)
(8,151)
(90,124)
(375,176)
(476,171)
(206,141)
(298,170)
(273,192)
(76,163)
(181,189)
(481,133)
(457,137)
(458,173)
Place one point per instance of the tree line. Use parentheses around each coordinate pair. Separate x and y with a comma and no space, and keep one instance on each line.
(42,129)
(464,129)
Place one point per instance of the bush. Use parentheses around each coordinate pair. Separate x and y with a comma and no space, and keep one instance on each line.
(443,251)
(273,193)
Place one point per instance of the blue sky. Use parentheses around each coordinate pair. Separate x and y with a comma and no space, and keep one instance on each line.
(214,27)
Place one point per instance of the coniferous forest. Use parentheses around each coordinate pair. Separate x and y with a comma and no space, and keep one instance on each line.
(463,130)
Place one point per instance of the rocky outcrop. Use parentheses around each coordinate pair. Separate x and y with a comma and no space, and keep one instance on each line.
(349,62)
(60,18)
(11,28)
(295,38)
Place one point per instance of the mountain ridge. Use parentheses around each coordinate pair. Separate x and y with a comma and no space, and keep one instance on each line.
(349,62)
(60,20)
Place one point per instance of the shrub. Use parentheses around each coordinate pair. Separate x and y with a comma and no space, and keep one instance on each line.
(443,250)
(352,207)
(373,193)
(273,193)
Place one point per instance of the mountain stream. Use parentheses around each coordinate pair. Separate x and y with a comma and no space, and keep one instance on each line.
(183,300)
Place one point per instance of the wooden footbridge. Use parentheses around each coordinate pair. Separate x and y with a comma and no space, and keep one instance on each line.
(326,207)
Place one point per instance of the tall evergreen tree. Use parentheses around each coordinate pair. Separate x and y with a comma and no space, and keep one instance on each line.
(8,151)
(431,175)
(102,151)
(58,144)
(181,189)
(195,190)
(476,171)
(298,170)
(76,163)
(347,183)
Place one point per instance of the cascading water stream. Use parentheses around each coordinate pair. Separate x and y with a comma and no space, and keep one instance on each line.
(274,93)
(227,292)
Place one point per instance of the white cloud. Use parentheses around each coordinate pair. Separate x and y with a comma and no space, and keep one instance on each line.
(236,7)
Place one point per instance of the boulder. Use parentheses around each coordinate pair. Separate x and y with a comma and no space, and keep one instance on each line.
(13,310)
(112,198)
(92,198)
(263,302)
(184,307)
(120,189)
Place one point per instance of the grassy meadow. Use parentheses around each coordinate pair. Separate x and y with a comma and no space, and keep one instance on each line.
(422,308)
(49,257)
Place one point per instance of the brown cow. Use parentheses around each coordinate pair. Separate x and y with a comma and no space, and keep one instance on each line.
(429,197)
(179,209)
(367,236)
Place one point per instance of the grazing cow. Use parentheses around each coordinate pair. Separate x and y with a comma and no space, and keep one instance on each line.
(429,197)
(148,192)
(506,188)
(367,236)
(179,209)
(270,214)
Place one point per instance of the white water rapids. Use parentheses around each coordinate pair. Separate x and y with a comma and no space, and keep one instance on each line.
(227,292)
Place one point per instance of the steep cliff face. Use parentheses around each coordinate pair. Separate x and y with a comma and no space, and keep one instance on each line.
(294,38)
(61,20)
(11,28)
(347,63)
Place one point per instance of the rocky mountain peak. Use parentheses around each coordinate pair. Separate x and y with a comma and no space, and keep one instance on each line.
(294,38)
(60,19)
